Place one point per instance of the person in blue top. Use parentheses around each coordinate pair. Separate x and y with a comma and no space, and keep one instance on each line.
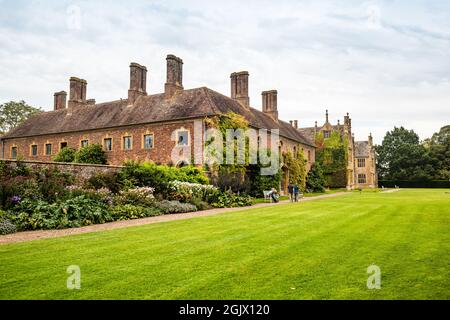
(296,192)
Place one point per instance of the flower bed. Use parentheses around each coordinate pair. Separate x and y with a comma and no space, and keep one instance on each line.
(48,199)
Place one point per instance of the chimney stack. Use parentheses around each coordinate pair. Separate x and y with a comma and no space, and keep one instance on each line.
(77,92)
(138,82)
(269,103)
(239,88)
(60,100)
(291,122)
(174,80)
(296,124)
(370,140)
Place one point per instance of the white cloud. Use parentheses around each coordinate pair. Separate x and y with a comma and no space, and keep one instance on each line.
(384,62)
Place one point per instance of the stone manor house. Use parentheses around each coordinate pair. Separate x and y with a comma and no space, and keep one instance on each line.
(142,126)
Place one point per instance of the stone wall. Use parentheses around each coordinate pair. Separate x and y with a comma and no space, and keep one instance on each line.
(79,170)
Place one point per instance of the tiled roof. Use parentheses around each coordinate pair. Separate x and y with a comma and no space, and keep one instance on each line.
(362,149)
(187,104)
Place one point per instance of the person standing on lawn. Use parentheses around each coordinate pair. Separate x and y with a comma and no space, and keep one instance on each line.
(296,191)
(291,191)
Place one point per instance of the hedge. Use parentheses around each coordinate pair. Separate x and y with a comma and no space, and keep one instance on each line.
(414,184)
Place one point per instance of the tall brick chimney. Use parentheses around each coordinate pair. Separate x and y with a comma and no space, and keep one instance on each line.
(296,124)
(138,82)
(77,92)
(269,103)
(239,88)
(370,140)
(60,100)
(174,80)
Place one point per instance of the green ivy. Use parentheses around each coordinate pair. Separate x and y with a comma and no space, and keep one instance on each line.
(332,155)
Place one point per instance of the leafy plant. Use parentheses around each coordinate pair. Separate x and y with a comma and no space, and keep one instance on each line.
(129,211)
(6,226)
(186,191)
(167,206)
(136,196)
(149,174)
(74,212)
(101,180)
(230,200)
(66,154)
(92,153)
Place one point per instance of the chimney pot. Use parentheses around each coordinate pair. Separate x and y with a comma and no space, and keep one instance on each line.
(269,103)
(296,124)
(60,100)
(239,87)
(77,91)
(138,82)
(174,81)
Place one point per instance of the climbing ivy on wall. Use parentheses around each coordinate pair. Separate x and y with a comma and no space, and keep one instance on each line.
(296,165)
(246,177)
(332,154)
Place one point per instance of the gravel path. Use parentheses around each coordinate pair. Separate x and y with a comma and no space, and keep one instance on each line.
(43,234)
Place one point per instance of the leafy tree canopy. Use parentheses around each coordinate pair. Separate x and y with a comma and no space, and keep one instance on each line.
(14,113)
(401,156)
(439,148)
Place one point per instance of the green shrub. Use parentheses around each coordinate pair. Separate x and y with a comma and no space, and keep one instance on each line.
(315,181)
(200,204)
(103,195)
(104,180)
(65,155)
(148,174)
(167,206)
(129,211)
(14,189)
(6,226)
(229,200)
(52,183)
(137,196)
(75,212)
(92,153)
(186,191)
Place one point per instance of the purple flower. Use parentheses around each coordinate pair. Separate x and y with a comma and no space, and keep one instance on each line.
(15,199)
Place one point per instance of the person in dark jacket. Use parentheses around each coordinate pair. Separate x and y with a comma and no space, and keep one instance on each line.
(296,192)
(291,191)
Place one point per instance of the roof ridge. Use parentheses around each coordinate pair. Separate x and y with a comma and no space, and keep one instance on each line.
(212,105)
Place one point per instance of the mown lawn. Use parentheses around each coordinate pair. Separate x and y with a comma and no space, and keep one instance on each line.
(313,250)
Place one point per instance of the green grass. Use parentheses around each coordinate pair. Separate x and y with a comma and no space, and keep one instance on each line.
(312,250)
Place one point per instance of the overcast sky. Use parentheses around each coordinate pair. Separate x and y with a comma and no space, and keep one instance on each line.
(387,63)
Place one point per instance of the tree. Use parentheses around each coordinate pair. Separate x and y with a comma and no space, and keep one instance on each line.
(315,181)
(438,147)
(401,156)
(14,113)
(92,153)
